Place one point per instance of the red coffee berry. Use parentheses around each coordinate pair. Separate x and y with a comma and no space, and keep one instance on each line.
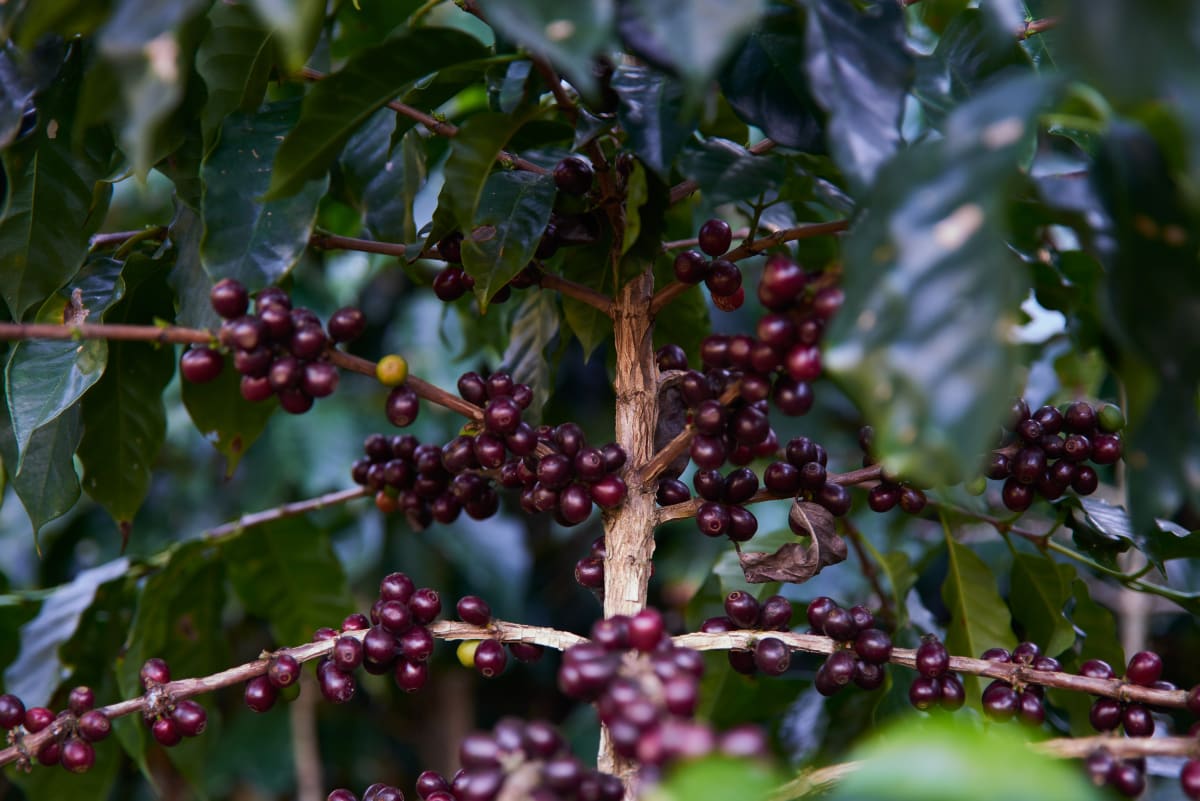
(260,694)
(190,718)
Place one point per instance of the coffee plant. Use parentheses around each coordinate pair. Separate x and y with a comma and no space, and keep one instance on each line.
(600,400)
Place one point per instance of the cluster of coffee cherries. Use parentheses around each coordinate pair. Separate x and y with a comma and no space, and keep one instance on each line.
(516,758)
(394,639)
(744,612)
(279,350)
(573,177)
(647,701)
(1002,701)
(489,657)
(412,477)
(1048,450)
(861,649)
(721,276)
(75,729)
(890,491)
(169,720)
(935,684)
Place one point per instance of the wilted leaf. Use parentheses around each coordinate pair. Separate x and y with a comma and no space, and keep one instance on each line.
(794,562)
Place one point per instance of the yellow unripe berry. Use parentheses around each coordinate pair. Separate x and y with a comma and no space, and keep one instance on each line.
(466,652)
(391,370)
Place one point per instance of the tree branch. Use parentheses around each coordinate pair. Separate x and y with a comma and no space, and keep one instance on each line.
(285,511)
(572,289)
(1036,26)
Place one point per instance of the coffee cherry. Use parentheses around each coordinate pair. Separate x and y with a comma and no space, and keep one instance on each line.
(347,653)
(1097,669)
(77,756)
(646,629)
(1110,418)
(772,656)
(932,658)
(200,365)
(474,610)
(229,298)
(742,661)
(818,612)
(342,795)
(1105,714)
(912,500)
(839,624)
(925,692)
(1127,779)
(80,700)
(391,370)
(190,718)
(166,733)
(1189,779)
(573,176)
(37,718)
(1017,496)
(724,279)
(874,646)
(691,267)
(953,694)
(260,694)
(1000,701)
(715,237)
(336,686)
(868,676)
(12,711)
(1137,721)
(94,725)
(1145,668)
(742,608)
(490,658)
(154,671)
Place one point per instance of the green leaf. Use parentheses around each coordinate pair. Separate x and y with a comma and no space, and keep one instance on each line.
(969,56)
(690,39)
(717,778)
(383,181)
(46,377)
(568,35)
(37,670)
(728,173)
(339,104)
(472,153)
(652,114)
(685,321)
(257,242)
(297,24)
(123,415)
(508,225)
(536,324)
(1040,589)
(188,278)
(859,68)
(590,326)
(145,47)
(922,342)
(287,573)
(65,17)
(234,60)
(56,199)
(46,483)
(946,758)
(766,86)
(979,618)
(1098,625)
(226,419)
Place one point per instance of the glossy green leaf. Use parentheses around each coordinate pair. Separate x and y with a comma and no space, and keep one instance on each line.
(690,39)
(969,56)
(1039,591)
(254,241)
(717,778)
(297,24)
(472,154)
(15,93)
(859,68)
(234,60)
(56,199)
(383,180)
(124,418)
(287,573)
(226,419)
(535,325)
(46,377)
(652,114)
(569,35)
(1098,625)
(979,618)
(765,84)
(338,105)
(47,483)
(143,44)
(922,342)
(590,326)
(508,224)
(188,278)
(37,670)
(949,758)
(728,173)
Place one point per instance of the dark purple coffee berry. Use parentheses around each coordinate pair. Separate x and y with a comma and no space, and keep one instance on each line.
(573,176)
(925,692)
(80,700)
(260,694)
(165,732)
(715,237)
(425,605)
(775,614)
(1137,721)
(1127,779)
(229,298)
(609,492)
(12,711)
(1105,714)
(953,693)
(672,491)
(1017,496)
(818,612)
(772,656)
(154,672)
(474,610)
(346,324)
(691,267)
(200,365)
(742,608)
(77,755)
(490,658)
(874,646)
(1145,668)
(932,658)
(1000,701)
(713,519)
(190,718)
(839,624)
(94,725)
(724,278)
(1080,418)
(646,629)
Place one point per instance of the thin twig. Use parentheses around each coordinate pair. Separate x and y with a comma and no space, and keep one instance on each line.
(551,78)
(335,242)
(573,289)
(675,448)
(869,570)
(1036,26)
(284,511)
